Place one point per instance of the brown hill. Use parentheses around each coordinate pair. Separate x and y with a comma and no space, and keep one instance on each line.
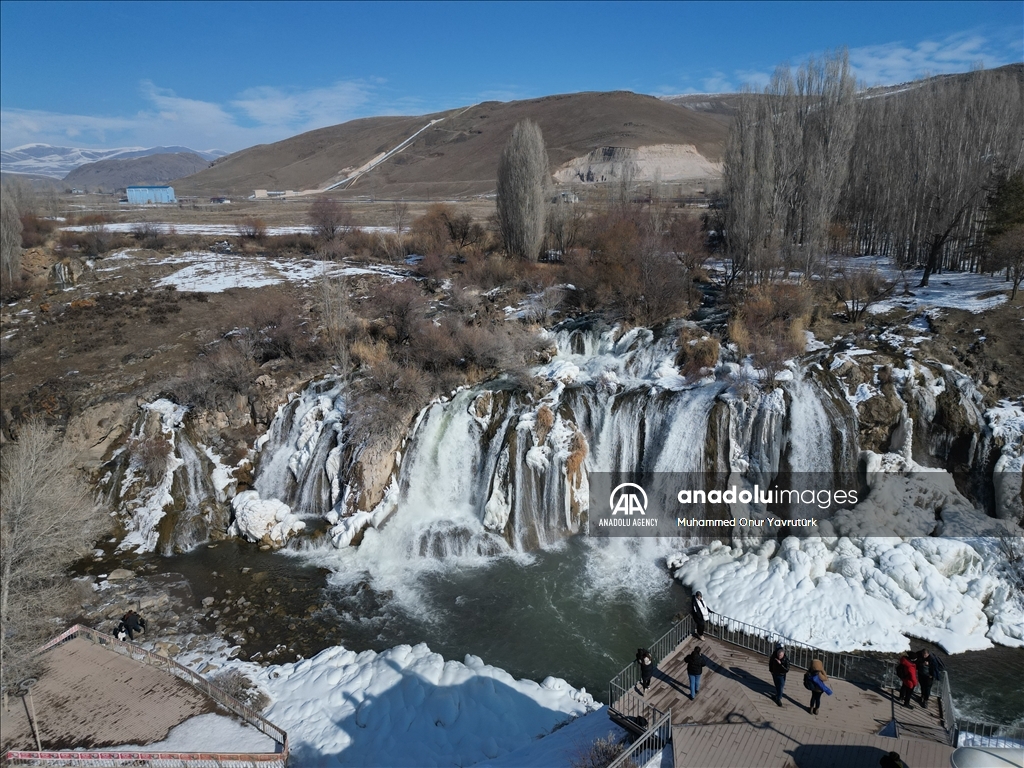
(116,173)
(458,155)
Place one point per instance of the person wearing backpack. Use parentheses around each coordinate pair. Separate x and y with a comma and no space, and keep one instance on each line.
(816,681)
(643,658)
(906,671)
(778,665)
(694,668)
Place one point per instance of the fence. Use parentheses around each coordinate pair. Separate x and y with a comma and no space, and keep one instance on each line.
(961,731)
(647,746)
(168,759)
(859,667)
(659,650)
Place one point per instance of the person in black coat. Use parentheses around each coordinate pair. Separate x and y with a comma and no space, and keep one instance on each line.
(778,665)
(892,760)
(643,658)
(133,623)
(928,668)
(694,668)
(700,612)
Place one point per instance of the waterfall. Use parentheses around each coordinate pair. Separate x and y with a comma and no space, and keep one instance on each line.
(494,469)
(300,461)
(162,485)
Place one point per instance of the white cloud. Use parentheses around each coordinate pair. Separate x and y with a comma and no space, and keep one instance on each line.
(304,109)
(898,62)
(257,115)
(882,64)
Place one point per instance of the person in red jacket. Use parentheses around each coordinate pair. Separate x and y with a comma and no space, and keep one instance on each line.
(907,672)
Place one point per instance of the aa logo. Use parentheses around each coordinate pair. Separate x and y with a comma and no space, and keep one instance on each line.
(628,498)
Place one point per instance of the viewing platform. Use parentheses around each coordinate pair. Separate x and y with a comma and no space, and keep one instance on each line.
(95,692)
(735,722)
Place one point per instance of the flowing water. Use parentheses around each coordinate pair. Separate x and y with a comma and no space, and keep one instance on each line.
(481,552)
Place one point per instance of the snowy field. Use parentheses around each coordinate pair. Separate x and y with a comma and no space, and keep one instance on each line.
(952,290)
(210,272)
(228,230)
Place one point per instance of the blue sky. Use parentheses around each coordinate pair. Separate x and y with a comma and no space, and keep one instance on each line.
(229,75)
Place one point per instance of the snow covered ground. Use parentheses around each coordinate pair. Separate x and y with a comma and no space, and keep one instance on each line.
(210,272)
(408,706)
(229,230)
(218,733)
(953,290)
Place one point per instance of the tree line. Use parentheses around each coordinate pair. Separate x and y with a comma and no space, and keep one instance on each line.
(814,168)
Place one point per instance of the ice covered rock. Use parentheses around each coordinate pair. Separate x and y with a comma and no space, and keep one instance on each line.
(267,521)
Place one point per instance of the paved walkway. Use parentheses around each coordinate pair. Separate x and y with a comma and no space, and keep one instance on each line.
(734,721)
(90,696)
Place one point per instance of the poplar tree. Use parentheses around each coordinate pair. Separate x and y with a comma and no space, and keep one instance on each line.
(522,178)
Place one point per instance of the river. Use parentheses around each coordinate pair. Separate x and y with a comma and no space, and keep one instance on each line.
(577,610)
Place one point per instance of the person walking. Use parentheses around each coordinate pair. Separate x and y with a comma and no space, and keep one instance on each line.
(643,658)
(928,668)
(700,612)
(778,665)
(694,668)
(816,681)
(906,671)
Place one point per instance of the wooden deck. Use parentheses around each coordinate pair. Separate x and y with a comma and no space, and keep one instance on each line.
(734,721)
(90,696)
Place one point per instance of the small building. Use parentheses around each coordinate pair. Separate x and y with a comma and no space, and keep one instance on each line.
(142,195)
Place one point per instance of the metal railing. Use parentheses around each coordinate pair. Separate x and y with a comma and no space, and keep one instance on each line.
(633,712)
(962,729)
(874,669)
(647,746)
(659,650)
(162,758)
(763,641)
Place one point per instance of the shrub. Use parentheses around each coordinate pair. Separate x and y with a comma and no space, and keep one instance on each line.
(34,230)
(600,754)
(769,325)
(235,683)
(329,218)
(858,289)
(153,454)
(252,228)
(697,351)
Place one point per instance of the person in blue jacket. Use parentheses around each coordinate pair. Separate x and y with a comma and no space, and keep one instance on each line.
(816,679)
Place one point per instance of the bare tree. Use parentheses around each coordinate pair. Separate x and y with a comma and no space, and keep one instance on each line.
(923,163)
(399,216)
(47,521)
(785,167)
(565,222)
(522,178)
(328,218)
(10,238)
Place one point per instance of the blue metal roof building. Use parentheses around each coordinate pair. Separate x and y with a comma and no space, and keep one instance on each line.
(141,195)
